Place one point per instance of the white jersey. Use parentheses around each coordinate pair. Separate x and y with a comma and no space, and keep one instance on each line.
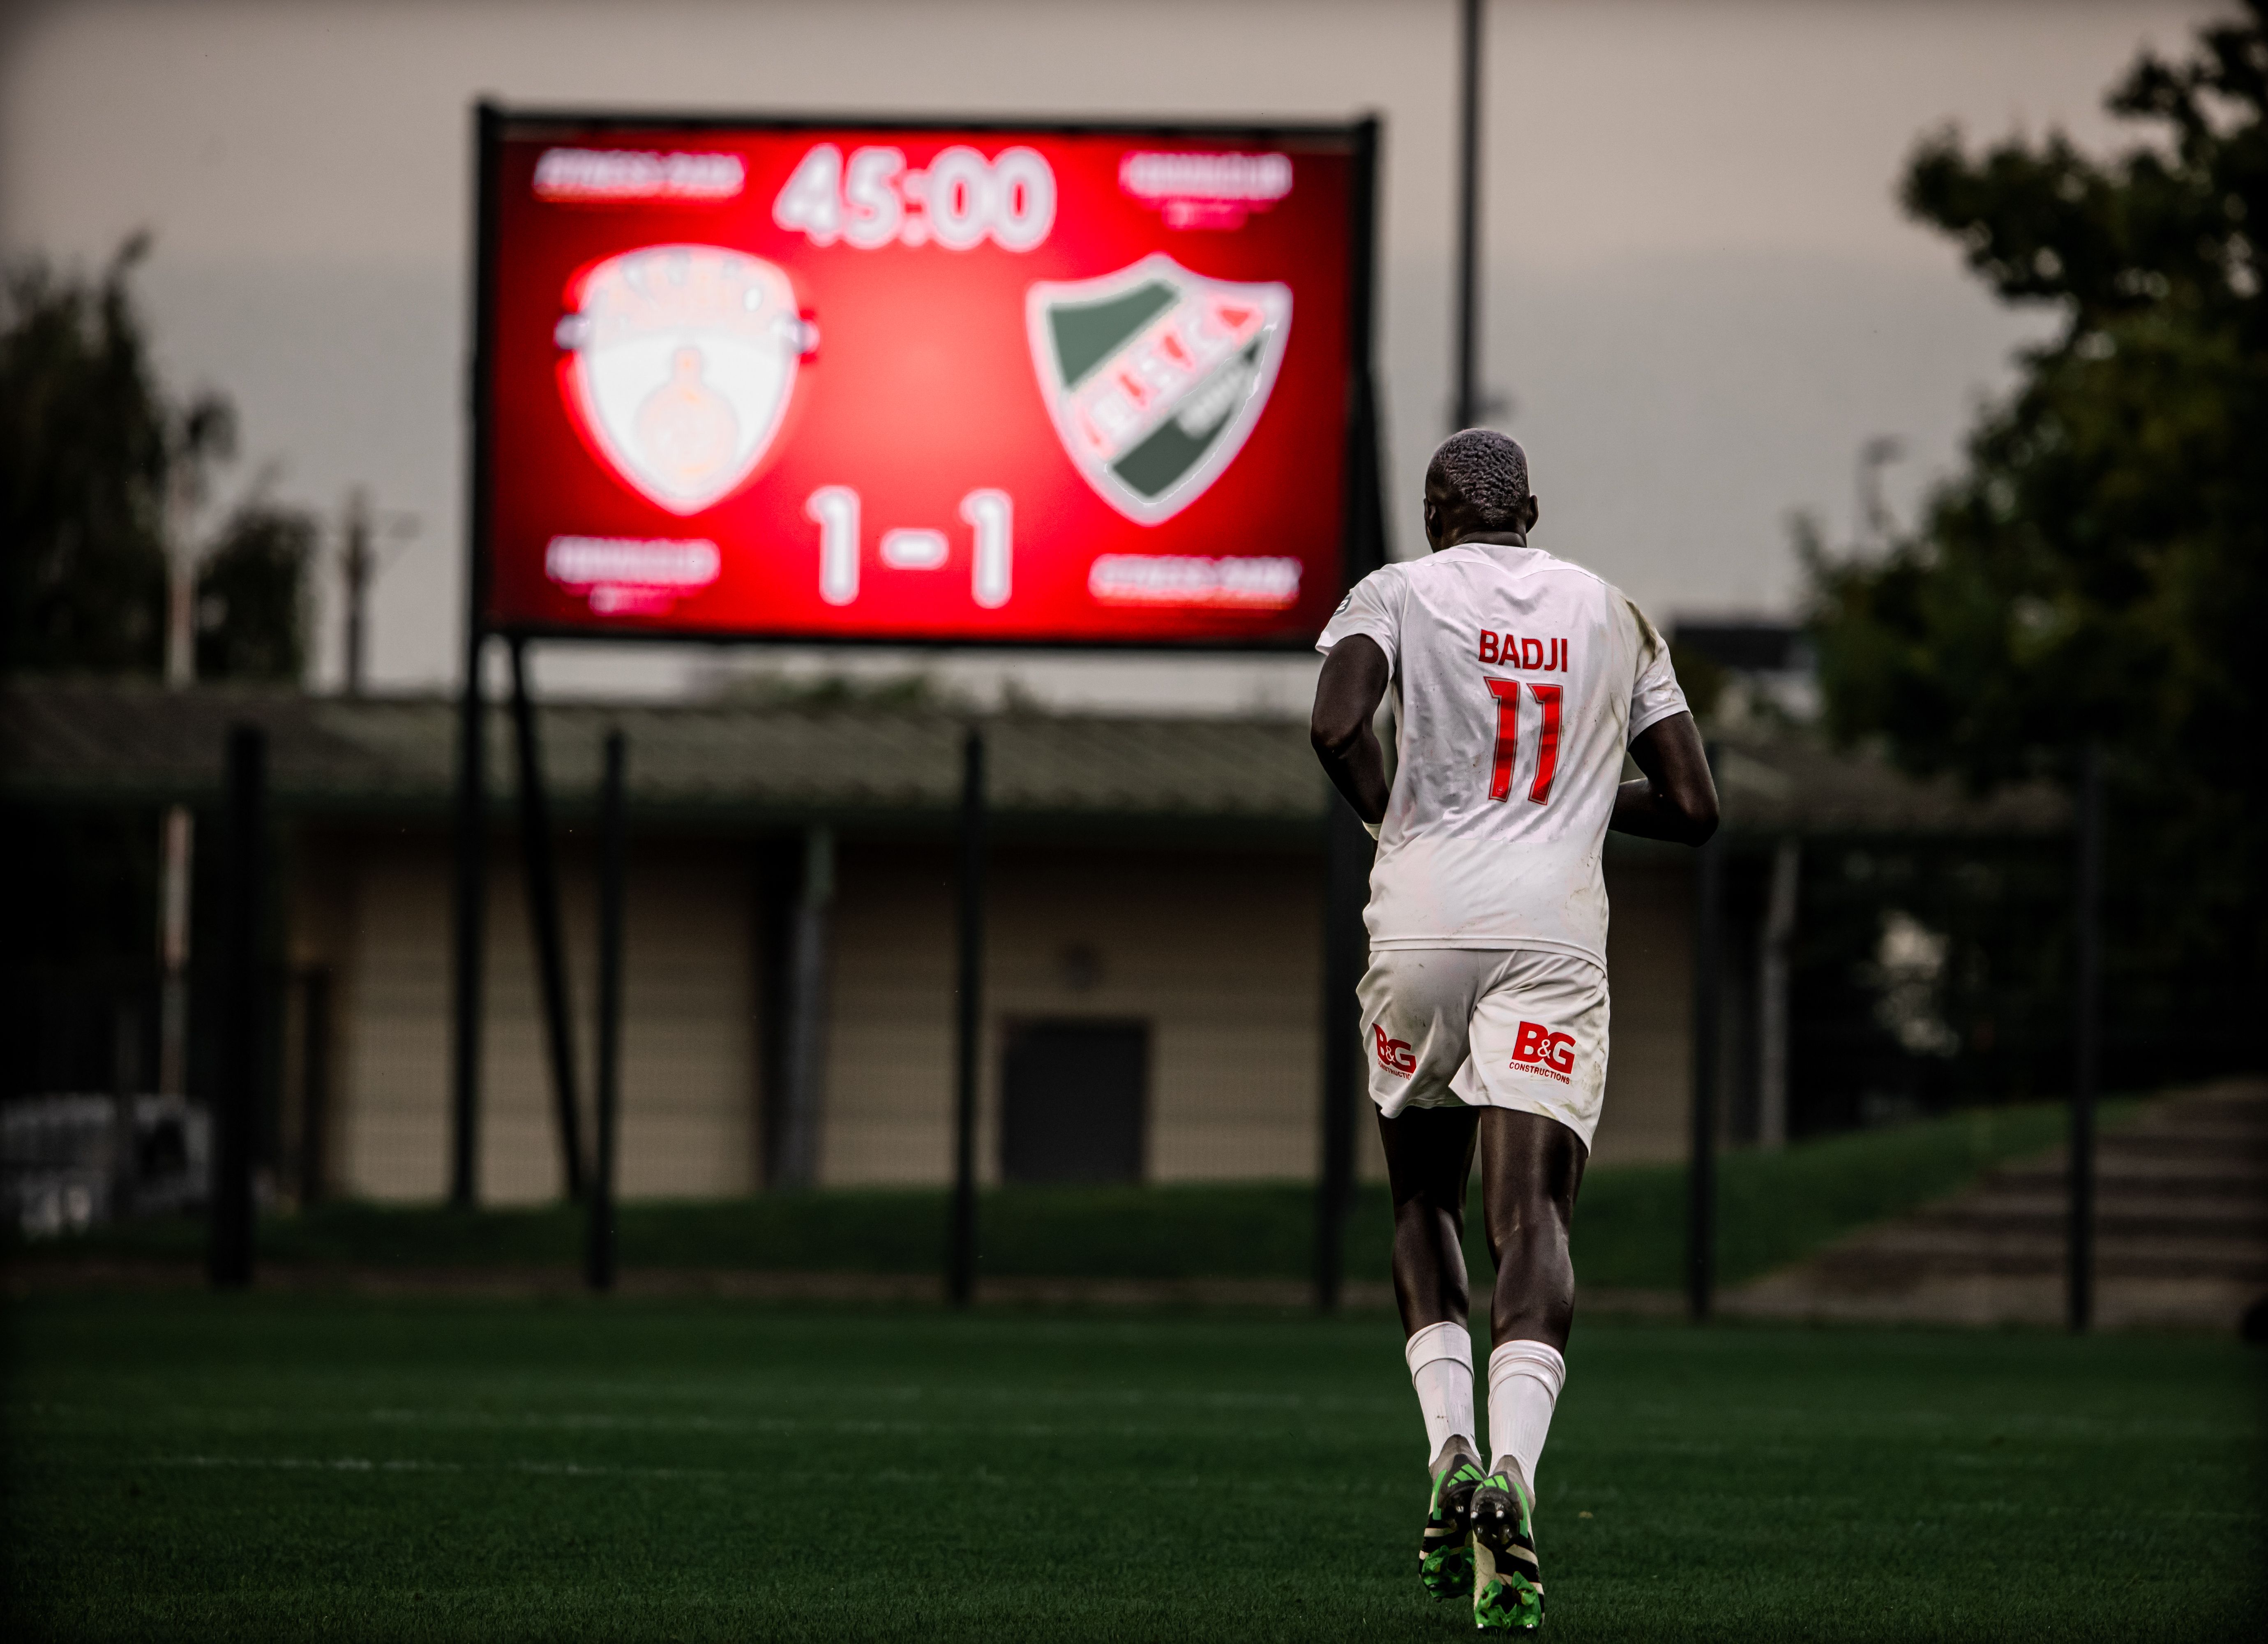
(1519,679)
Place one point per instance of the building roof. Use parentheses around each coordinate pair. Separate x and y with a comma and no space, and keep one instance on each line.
(78,742)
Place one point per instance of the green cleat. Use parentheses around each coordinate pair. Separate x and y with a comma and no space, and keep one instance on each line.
(1508,1581)
(1445,1555)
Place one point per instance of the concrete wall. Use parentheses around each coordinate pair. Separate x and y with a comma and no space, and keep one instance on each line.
(1650,969)
(1217,951)
(375,907)
(1221,953)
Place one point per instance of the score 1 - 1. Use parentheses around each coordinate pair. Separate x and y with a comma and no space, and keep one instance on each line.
(960,201)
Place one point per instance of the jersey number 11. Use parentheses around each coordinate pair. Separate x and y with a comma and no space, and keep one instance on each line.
(1506,692)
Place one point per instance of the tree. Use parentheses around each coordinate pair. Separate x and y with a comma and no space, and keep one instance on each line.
(94,456)
(2096,573)
(251,596)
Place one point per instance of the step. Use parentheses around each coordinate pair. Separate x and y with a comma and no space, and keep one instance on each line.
(2245,1156)
(1908,1248)
(2114,1218)
(2160,1181)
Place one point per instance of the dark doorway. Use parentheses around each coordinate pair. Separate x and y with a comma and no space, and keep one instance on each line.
(1072,1099)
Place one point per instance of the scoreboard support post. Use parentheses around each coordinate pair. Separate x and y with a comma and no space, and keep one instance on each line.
(472,717)
(1347,845)
(541,873)
(470,919)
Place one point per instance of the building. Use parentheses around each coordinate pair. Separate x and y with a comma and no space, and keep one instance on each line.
(1152,969)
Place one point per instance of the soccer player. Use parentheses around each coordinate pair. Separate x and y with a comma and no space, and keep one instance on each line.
(1519,681)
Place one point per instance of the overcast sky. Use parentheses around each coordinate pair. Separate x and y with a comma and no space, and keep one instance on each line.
(1701,296)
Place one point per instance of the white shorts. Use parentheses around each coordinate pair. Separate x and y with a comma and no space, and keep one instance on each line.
(1486,1027)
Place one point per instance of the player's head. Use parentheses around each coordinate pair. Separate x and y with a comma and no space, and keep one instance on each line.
(1476,485)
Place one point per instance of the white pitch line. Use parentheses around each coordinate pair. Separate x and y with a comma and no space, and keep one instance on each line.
(364,1464)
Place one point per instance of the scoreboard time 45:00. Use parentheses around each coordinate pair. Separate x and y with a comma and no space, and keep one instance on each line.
(956,385)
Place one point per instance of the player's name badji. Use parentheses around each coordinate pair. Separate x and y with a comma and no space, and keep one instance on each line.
(1529,655)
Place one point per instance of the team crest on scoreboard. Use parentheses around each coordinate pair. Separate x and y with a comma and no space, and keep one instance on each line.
(1155,376)
(681,362)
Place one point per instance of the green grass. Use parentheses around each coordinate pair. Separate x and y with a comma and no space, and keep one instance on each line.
(183,1466)
(1630,1228)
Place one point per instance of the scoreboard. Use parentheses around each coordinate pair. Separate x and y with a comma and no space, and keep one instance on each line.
(886,382)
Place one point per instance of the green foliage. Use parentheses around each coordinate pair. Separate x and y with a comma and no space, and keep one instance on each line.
(251,596)
(94,457)
(2097,572)
(87,447)
(1701,677)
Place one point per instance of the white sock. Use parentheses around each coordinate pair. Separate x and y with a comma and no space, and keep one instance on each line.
(1441,1367)
(1524,1380)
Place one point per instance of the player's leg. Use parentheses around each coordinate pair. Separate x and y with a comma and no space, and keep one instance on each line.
(1417,1006)
(1429,1156)
(1531,1170)
(1539,1046)
(1429,1160)
(1531,1167)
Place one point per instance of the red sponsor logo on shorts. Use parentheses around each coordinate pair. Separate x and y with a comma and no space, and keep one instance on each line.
(1394,1054)
(1540,1051)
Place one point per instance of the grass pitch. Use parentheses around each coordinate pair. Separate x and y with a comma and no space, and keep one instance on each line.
(181,1466)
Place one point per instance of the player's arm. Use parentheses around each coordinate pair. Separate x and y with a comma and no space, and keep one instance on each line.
(1347,694)
(1677,798)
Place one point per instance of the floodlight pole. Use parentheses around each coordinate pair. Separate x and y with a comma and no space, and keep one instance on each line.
(1708,1023)
(599,1250)
(472,715)
(355,561)
(969,1022)
(228,1257)
(2086,1037)
(1468,410)
(541,875)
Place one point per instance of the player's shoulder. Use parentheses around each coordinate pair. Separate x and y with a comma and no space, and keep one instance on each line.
(1542,562)
(1526,564)
(1388,580)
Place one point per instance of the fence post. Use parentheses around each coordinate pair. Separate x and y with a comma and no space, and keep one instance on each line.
(125,1075)
(2086,1038)
(968,1024)
(1708,1024)
(228,1255)
(598,1252)
(1347,855)
(314,1084)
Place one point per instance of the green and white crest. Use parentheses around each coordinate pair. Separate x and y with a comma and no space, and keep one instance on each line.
(1155,376)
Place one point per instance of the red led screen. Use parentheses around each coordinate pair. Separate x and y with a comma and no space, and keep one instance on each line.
(967,385)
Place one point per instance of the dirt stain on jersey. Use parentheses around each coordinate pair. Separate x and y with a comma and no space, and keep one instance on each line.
(1649,642)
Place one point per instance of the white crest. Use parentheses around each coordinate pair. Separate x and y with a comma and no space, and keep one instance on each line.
(1155,376)
(683,358)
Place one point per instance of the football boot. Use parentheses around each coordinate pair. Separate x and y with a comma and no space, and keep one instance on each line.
(1507,1582)
(1445,1553)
